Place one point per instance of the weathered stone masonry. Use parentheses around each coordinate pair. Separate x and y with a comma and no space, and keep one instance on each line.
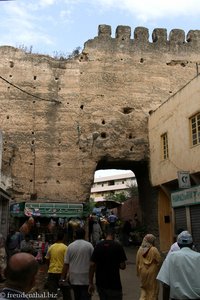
(89,112)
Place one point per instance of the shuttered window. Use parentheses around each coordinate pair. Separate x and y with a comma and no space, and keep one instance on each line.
(164,146)
(195,224)
(180,218)
(195,129)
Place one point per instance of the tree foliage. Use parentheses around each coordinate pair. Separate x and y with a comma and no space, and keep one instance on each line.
(118,197)
(133,191)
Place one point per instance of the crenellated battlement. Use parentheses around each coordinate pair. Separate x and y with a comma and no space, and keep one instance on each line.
(177,40)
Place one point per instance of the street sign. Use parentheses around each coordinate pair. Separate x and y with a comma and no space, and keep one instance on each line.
(184,179)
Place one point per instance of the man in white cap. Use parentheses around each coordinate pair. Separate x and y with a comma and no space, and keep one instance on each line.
(180,272)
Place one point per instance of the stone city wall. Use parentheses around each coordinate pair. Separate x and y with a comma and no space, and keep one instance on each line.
(62,119)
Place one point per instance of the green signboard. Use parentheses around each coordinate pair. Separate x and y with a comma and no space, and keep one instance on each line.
(63,210)
(185,197)
(56,209)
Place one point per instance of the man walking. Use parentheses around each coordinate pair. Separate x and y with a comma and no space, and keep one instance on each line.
(55,260)
(180,271)
(107,260)
(77,263)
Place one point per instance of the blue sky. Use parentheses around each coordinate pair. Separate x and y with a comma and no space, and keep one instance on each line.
(60,26)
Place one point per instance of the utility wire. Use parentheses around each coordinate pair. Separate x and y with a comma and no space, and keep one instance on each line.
(23,91)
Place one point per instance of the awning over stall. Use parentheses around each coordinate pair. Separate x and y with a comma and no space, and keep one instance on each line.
(62,210)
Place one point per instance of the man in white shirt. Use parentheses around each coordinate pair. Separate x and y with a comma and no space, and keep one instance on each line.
(77,263)
(180,272)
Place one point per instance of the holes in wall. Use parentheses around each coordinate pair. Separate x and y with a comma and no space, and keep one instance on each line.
(7,117)
(8,88)
(31,164)
(130,136)
(59,164)
(56,78)
(141,60)
(11,64)
(31,180)
(127,110)
(103,122)
(34,77)
(131,149)
(33,101)
(170,92)
(33,196)
(82,106)
(33,142)
(57,181)
(33,132)
(10,76)
(103,135)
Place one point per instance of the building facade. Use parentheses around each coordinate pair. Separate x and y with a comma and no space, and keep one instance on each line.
(174,137)
(112,185)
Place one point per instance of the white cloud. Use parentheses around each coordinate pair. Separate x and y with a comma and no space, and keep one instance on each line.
(21,25)
(47,2)
(145,10)
(65,15)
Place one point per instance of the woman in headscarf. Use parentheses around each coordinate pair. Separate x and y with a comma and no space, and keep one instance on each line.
(148,261)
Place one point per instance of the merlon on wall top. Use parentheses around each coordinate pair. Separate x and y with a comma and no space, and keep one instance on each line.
(177,40)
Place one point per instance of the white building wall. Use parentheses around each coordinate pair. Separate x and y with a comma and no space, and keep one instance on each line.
(173,117)
(122,183)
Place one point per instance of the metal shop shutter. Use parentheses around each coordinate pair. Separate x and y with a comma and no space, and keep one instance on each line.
(195,224)
(180,218)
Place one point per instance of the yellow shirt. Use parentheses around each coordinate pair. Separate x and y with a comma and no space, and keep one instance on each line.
(56,254)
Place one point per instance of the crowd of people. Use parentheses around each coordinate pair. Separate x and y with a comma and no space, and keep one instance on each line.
(79,267)
(71,268)
(128,231)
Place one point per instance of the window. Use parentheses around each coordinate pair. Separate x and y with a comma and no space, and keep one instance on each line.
(195,129)
(164,145)
(111,182)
